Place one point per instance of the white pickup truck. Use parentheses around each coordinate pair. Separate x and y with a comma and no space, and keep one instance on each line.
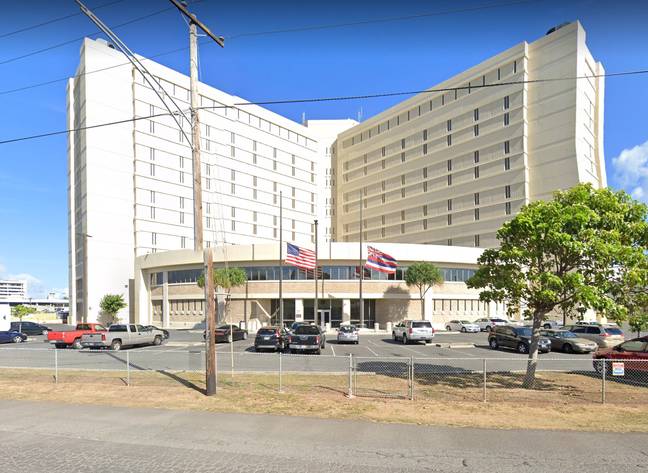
(413,331)
(123,335)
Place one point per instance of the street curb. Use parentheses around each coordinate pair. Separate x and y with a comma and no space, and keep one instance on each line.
(455,345)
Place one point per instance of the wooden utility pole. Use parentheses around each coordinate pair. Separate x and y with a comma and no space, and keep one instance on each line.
(210,311)
(210,325)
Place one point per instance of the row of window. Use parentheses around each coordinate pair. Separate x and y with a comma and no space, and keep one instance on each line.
(290,273)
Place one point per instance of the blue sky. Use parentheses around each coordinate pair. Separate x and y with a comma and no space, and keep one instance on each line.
(370,58)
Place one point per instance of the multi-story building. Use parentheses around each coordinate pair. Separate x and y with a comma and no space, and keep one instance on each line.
(13,289)
(130,184)
(449,166)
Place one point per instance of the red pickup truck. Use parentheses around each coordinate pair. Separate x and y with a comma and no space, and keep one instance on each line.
(72,338)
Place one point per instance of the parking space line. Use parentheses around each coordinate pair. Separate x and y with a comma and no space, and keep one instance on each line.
(332,349)
(375,354)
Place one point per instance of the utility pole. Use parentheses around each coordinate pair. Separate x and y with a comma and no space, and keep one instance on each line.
(315,311)
(210,311)
(361,267)
(281,311)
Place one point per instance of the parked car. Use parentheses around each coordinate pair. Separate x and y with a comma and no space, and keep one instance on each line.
(229,333)
(413,331)
(122,335)
(552,324)
(517,338)
(635,349)
(604,335)
(63,339)
(164,331)
(29,328)
(487,324)
(271,338)
(348,334)
(294,325)
(569,342)
(462,326)
(307,338)
(11,336)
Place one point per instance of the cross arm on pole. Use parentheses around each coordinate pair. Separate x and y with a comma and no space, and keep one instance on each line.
(183,9)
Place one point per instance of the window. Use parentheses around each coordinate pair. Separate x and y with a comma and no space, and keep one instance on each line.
(153,238)
(233,174)
(499,74)
(476,130)
(403,143)
(507,192)
(182,220)
(152,169)
(506,119)
(182,202)
(507,147)
(476,114)
(425,210)
(208,222)
(152,197)
(476,156)
(449,204)
(449,164)
(152,213)
(425,149)
(449,219)
(424,135)
(506,102)
(425,224)
(233,225)
(449,140)
(152,154)
(183,242)
(476,198)
(449,125)
(507,164)
(449,241)
(233,212)
(233,188)
(476,170)
(507,208)
(425,174)
(476,214)
(181,162)
(402,161)
(476,242)
(382,152)
(514,67)
(449,179)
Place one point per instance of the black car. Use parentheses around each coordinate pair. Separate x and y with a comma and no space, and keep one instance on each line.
(307,338)
(271,338)
(229,333)
(153,327)
(30,328)
(517,338)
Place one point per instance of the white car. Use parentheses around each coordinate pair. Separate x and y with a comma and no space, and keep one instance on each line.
(462,326)
(488,323)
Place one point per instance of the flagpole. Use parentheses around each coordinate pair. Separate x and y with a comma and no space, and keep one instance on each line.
(281,313)
(315,311)
(360,267)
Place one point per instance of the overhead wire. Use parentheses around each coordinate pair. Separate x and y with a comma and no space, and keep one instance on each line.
(332,99)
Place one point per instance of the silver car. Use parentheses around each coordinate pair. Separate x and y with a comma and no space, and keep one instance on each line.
(348,334)
(462,326)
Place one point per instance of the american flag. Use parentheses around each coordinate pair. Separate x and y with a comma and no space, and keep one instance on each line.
(300,257)
(380,261)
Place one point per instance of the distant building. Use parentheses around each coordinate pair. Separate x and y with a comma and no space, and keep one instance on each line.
(13,289)
(449,168)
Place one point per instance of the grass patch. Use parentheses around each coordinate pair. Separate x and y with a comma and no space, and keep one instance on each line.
(447,402)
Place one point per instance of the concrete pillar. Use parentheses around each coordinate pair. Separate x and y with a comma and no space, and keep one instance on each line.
(299,310)
(165,299)
(346,311)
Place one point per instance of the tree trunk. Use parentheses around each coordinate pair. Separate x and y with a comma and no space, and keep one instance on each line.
(422,304)
(530,377)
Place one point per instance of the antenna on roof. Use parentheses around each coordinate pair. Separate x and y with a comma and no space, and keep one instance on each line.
(360,114)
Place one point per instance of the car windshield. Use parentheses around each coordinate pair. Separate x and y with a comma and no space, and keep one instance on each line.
(266,331)
(524,331)
(498,320)
(307,330)
(566,334)
(225,327)
(465,322)
(347,329)
(421,324)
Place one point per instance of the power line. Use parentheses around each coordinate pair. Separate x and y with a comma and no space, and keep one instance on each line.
(65,43)
(54,20)
(378,20)
(332,99)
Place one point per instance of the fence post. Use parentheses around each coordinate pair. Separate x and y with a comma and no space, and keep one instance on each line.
(484,381)
(55,365)
(603,374)
(280,372)
(350,394)
(411,378)
(127,368)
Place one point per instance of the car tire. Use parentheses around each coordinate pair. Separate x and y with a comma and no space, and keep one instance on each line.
(157,341)
(394,336)
(230,339)
(115,345)
(405,339)
(489,328)
(463,330)
(59,345)
(547,326)
(448,328)
(17,339)
(76,344)
(522,348)
(357,342)
(567,348)
(318,351)
(492,343)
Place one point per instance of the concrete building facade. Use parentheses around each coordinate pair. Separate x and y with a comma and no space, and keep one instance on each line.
(450,167)
(13,289)
(130,185)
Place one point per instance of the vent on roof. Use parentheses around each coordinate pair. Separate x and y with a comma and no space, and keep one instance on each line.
(556,28)
(105,43)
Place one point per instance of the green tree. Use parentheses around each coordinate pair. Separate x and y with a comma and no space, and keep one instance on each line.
(638,322)
(110,305)
(226,278)
(423,276)
(21,311)
(585,249)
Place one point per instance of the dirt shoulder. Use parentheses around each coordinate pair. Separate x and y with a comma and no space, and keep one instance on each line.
(322,397)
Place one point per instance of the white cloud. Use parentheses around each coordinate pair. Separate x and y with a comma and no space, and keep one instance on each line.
(3,269)
(35,287)
(631,170)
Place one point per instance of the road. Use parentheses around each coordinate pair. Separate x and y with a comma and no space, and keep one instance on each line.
(184,351)
(53,438)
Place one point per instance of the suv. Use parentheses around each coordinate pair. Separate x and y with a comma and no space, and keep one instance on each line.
(605,336)
(518,338)
(413,331)
(488,323)
(271,338)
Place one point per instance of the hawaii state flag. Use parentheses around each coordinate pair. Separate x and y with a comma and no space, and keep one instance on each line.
(380,261)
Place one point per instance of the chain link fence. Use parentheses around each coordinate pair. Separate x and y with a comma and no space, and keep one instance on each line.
(564,380)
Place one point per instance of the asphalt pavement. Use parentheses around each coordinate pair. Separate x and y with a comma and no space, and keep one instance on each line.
(49,437)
